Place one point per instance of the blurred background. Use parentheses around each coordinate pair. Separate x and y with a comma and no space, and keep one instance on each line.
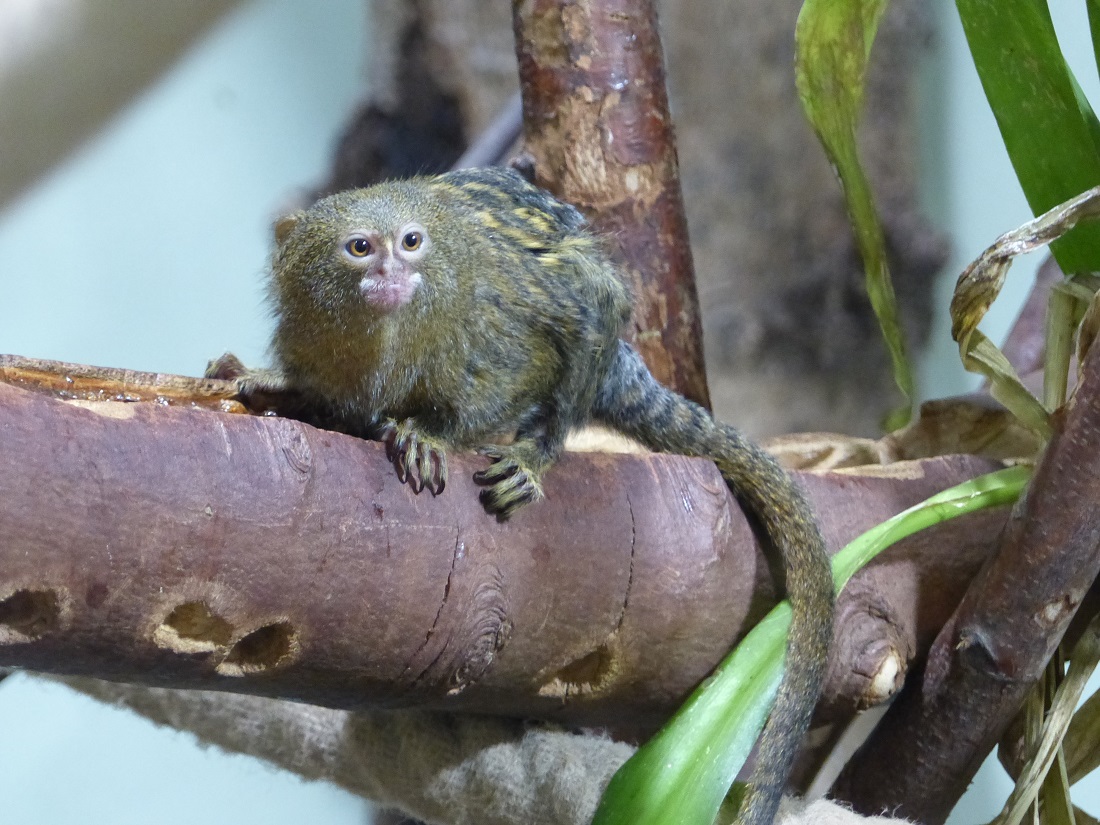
(135,213)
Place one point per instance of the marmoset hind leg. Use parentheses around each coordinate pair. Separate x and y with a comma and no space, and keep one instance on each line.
(515,476)
(591,305)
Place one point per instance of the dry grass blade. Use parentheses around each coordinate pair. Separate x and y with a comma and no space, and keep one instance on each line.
(1059,344)
(978,287)
(1082,743)
(1055,804)
(1085,657)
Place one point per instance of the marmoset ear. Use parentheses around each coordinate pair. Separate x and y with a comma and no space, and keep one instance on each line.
(285,225)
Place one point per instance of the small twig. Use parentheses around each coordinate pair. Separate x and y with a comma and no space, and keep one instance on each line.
(491,146)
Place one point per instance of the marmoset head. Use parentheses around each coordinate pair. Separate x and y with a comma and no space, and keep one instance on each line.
(361,248)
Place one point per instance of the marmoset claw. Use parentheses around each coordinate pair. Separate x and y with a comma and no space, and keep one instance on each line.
(420,460)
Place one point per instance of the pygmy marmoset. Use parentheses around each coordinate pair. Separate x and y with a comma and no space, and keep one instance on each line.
(438,312)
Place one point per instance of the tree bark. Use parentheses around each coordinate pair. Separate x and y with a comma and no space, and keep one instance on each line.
(598,131)
(167,545)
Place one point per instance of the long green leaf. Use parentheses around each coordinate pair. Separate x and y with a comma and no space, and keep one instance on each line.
(1051,133)
(681,775)
(832,42)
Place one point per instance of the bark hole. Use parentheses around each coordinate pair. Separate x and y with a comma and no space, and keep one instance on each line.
(262,649)
(584,675)
(26,615)
(193,627)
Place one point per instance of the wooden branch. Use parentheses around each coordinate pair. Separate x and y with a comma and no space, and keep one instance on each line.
(598,130)
(986,659)
(167,545)
(83,382)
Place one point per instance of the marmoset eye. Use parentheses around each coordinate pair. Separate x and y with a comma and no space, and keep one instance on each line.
(358,247)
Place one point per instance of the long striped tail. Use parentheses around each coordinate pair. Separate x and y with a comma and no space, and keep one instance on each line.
(634,403)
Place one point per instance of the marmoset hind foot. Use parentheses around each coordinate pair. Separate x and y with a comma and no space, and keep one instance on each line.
(445,310)
(513,479)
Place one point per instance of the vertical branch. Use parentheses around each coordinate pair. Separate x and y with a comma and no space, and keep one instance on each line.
(986,659)
(598,130)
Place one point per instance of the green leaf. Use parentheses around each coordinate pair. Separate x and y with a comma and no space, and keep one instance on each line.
(1051,133)
(832,42)
(683,773)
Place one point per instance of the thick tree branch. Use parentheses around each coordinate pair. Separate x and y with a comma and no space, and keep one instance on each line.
(166,545)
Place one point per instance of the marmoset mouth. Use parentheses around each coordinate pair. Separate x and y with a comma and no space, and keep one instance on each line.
(385,294)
